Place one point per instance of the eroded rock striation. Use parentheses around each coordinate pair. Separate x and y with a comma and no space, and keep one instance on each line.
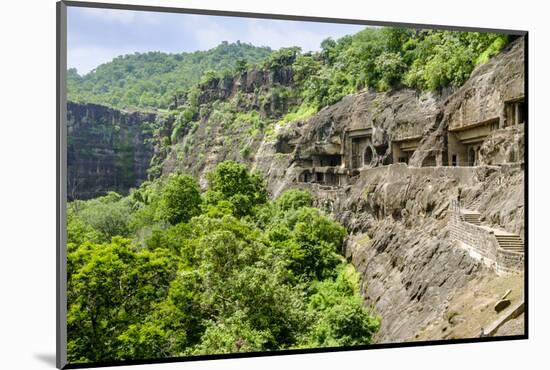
(107,149)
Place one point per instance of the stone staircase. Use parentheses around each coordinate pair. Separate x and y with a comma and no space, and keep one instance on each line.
(510,242)
(471,217)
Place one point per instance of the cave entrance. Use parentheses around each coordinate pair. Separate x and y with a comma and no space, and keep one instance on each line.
(515,112)
(306,177)
(332,179)
(368,156)
(471,157)
(329,160)
(401,151)
(355,143)
(356,150)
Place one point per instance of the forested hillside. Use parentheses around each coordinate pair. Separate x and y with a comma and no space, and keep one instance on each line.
(377,58)
(150,80)
(168,271)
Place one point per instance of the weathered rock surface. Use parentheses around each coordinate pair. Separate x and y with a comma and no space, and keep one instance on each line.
(106,150)
(512,327)
(481,98)
(504,146)
(397,217)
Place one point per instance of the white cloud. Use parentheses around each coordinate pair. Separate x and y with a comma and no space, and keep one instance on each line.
(206,32)
(124,17)
(282,34)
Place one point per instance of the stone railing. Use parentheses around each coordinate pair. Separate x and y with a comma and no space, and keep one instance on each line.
(509,261)
(484,243)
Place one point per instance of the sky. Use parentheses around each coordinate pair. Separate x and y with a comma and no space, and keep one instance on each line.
(96,36)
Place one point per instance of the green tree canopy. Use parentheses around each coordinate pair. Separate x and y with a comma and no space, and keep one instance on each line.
(233,182)
(208,279)
(180,199)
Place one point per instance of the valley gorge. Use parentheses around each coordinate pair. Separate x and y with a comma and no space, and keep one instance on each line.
(429,185)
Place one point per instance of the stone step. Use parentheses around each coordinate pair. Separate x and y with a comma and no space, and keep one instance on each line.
(511,243)
(513,250)
(509,237)
(472,218)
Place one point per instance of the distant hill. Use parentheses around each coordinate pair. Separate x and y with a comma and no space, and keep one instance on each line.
(150,80)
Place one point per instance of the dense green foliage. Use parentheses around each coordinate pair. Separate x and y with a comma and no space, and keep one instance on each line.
(232,183)
(168,271)
(180,199)
(384,58)
(376,58)
(150,80)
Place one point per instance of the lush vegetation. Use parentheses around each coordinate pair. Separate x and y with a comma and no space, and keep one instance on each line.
(150,80)
(384,58)
(170,271)
(375,58)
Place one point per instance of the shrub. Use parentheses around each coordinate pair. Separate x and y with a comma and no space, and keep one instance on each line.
(232,181)
(179,200)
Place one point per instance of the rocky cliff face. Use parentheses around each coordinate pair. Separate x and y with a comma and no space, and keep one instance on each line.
(491,85)
(107,150)
(224,128)
(414,274)
(392,116)
(412,270)
(400,242)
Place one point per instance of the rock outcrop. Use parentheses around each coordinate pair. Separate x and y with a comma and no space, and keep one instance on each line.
(223,129)
(490,86)
(398,214)
(400,243)
(107,150)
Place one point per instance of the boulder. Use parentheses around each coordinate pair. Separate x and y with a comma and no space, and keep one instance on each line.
(502,304)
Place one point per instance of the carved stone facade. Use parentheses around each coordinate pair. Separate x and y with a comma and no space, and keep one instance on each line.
(482,123)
